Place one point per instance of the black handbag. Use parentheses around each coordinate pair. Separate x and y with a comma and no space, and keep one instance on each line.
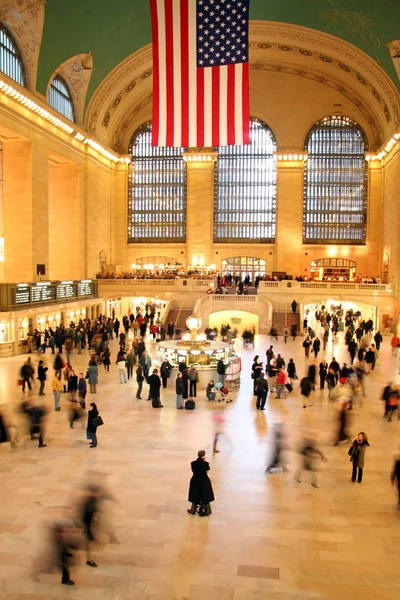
(97,421)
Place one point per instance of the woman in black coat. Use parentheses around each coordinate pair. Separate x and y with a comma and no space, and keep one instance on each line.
(91,428)
(200,488)
(185,379)
(291,370)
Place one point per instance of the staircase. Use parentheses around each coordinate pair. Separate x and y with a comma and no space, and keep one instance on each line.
(281,319)
(178,317)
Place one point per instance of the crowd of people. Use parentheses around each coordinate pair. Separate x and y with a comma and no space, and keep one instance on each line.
(274,378)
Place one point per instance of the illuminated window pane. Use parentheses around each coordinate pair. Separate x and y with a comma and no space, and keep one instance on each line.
(245,189)
(10,58)
(157,191)
(335,183)
(59,97)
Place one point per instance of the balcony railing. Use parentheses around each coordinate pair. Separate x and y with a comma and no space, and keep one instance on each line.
(286,285)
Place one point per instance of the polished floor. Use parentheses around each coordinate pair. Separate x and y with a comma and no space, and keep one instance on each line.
(268,538)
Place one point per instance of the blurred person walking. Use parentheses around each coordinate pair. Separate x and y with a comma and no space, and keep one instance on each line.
(309,452)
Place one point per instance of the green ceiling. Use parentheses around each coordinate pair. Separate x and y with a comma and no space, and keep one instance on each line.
(114,29)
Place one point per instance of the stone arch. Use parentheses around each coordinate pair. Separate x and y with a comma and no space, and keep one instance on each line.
(123,101)
(76,73)
(25,20)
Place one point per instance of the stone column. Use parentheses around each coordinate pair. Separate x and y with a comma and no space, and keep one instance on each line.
(289,216)
(18,210)
(200,205)
(26,209)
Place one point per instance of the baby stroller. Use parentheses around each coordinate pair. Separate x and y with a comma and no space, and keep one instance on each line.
(221,393)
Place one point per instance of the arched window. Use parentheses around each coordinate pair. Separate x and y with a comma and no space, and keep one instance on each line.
(59,97)
(244,265)
(245,189)
(335,183)
(157,191)
(10,58)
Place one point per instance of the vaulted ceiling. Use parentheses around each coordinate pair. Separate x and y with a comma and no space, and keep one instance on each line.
(114,29)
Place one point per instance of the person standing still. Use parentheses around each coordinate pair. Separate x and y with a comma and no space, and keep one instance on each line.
(221,371)
(200,488)
(121,364)
(130,363)
(139,379)
(357,455)
(91,429)
(193,381)
(154,382)
(57,389)
(179,389)
(261,388)
(82,390)
(42,377)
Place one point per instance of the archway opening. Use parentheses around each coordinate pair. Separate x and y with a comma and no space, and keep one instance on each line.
(333,269)
(243,266)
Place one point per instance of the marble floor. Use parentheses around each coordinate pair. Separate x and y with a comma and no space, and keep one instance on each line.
(268,537)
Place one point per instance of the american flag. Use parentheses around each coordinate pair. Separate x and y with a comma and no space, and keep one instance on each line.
(200,72)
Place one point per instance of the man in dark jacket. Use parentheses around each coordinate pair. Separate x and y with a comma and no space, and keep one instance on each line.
(42,377)
(154,382)
(261,388)
(378,340)
(165,371)
(221,371)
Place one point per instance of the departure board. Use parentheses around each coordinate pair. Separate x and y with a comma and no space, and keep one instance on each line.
(66,290)
(22,295)
(86,288)
(43,293)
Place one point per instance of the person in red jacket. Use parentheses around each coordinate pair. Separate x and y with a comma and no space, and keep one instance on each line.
(394,342)
(280,382)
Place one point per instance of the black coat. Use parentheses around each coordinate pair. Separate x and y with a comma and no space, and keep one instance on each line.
(179,386)
(200,488)
(92,414)
(154,384)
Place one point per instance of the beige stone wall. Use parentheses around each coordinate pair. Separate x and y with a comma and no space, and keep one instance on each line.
(63,204)
(66,222)
(391,217)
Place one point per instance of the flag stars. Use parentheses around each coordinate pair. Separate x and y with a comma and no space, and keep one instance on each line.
(222,29)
